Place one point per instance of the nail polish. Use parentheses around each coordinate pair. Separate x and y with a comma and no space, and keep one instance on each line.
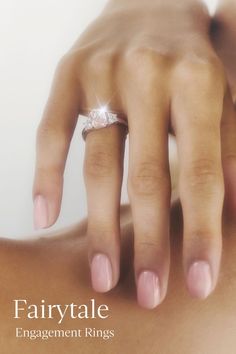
(148,290)
(101,273)
(40,213)
(199,279)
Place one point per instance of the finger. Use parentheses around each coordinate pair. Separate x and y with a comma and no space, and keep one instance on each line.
(228,138)
(197,110)
(149,193)
(103,170)
(53,140)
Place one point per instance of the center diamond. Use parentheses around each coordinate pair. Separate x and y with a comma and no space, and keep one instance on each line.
(99,119)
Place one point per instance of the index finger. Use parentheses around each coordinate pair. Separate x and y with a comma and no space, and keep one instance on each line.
(197,111)
(53,140)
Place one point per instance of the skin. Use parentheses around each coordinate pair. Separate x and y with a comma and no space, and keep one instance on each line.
(223,34)
(56,269)
(224,39)
(161,68)
(29,269)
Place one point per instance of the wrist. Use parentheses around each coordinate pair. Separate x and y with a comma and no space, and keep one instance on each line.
(171,11)
(181,5)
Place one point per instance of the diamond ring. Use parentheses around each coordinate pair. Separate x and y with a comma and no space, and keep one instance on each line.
(101,118)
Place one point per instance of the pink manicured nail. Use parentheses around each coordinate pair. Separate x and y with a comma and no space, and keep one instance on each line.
(148,289)
(101,273)
(40,213)
(199,279)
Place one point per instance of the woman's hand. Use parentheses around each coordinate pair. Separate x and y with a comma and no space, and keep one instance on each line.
(152,61)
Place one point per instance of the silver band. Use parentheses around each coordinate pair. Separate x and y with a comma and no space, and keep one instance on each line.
(101,118)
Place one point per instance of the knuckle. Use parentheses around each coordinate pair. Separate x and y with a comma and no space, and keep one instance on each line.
(66,63)
(100,231)
(147,243)
(143,62)
(50,174)
(229,157)
(98,164)
(201,70)
(148,179)
(45,130)
(102,61)
(72,62)
(200,238)
(203,172)
(49,131)
(138,54)
(149,248)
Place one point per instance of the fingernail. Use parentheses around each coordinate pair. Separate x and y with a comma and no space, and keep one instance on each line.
(101,273)
(199,279)
(40,213)
(148,289)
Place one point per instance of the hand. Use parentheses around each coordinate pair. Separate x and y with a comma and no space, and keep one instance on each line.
(153,62)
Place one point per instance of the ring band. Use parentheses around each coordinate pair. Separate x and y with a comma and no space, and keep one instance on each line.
(101,118)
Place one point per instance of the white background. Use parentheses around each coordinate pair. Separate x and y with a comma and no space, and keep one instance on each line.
(33,36)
